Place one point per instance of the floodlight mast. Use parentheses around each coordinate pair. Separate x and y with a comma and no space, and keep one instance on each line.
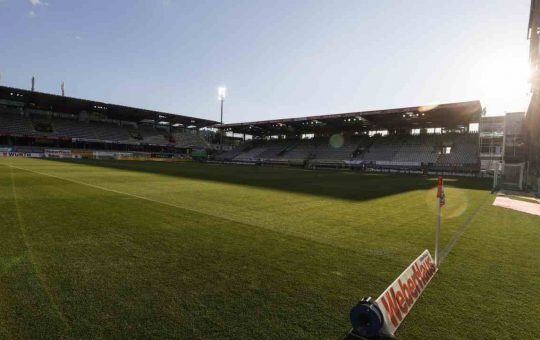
(222,91)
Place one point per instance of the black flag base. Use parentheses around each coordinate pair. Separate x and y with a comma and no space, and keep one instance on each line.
(366,319)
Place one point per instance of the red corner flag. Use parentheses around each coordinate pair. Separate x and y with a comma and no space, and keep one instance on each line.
(440,191)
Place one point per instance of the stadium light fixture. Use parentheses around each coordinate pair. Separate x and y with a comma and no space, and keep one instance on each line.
(222,92)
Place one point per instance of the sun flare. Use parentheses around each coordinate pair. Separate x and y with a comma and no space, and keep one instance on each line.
(504,81)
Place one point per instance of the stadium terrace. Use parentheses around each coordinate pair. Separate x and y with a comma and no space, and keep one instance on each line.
(31,121)
(451,116)
(52,103)
(422,139)
(441,137)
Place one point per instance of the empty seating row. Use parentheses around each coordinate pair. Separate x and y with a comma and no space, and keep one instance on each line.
(460,154)
(250,155)
(189,140)
(15,124)
(335,152)
(396,150)
(112,132)
(73,128)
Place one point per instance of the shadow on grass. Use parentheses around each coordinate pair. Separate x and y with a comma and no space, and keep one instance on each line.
(348,185)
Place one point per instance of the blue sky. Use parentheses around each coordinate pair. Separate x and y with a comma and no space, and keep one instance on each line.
(278,58)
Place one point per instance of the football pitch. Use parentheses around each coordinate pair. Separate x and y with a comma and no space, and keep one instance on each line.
(128,249)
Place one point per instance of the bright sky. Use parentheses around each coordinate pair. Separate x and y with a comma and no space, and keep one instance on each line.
(278,58)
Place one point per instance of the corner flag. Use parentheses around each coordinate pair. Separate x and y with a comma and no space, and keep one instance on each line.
(440,191)
(442,201)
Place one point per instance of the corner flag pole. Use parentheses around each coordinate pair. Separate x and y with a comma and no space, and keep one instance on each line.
(440,204)
(437,232)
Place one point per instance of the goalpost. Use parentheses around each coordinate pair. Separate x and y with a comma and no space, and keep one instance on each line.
(509,176)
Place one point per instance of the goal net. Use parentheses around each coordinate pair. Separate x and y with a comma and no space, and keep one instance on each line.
(509,176)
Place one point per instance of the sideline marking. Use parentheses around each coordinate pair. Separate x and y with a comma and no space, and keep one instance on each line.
(109,190)
(302,236)
(39,275)
(443,253)
(457,235)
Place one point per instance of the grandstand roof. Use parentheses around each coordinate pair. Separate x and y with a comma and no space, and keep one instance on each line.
(56,103)
(450,116)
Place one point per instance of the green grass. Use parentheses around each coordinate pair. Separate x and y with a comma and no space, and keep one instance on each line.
(148,249)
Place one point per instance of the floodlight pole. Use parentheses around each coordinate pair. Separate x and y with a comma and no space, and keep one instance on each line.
(221,96)
(221,134)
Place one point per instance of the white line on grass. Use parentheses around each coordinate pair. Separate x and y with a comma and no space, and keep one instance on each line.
(108,189)
(158,202)
(444,252)
(39,275)
(457,235)
(291,234)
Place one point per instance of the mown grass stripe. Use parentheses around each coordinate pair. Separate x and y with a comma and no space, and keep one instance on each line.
(22,227)
(135,196)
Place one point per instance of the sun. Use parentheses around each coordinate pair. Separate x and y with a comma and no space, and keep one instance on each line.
(504,82)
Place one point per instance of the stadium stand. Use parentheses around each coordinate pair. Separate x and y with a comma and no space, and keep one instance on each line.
(463,152)
(35,119)
(325,150)
(301,150)
(110,132)
(380,152)
(73,128)
(256,151)
(14,123)
(251,155)
(42,125)
(381,139)
(274,149)
(229,156)
(153,136)
(189,140)
(441,152)
(419,138)
(408,150)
